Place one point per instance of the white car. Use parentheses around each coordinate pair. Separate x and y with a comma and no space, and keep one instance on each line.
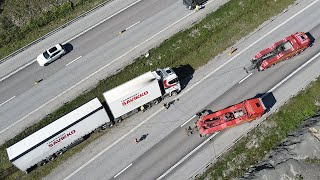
(51,54)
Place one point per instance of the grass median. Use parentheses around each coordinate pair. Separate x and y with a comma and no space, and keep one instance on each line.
(256,144)
(193,47)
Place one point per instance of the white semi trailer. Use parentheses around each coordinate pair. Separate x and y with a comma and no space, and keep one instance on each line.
(142,92)
(52,140)
(55,138)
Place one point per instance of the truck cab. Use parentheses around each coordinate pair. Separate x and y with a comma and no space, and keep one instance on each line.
(169,80)
(191,4)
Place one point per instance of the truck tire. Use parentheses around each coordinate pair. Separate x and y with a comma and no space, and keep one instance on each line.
(157,101)
(42,163)
(59,153)
(260,68)
(50,158)
(174,93)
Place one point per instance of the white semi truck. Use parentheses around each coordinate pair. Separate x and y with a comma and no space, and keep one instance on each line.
(141,92)
(124,100)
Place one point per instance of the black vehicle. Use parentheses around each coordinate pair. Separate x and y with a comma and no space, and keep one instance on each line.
(191,4)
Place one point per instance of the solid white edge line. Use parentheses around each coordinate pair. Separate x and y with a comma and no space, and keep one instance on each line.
(7,100)
(89,76)
(245,78)
(114,143)
(74,37)
(102,21)
(272,89)
(294,72)
(162,107)
(186,156)
(188,120)
(122,170)
(132,25)
(218,68)
(73,60)
(15,71)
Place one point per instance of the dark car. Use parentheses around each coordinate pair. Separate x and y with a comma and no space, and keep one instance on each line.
(191,4)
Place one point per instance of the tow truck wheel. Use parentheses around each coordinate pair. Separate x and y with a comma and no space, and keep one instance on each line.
(260,68)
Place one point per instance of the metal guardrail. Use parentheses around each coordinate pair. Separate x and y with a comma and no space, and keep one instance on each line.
(54,31)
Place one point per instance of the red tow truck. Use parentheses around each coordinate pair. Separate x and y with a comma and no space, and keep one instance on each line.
(246,111)
(280,51)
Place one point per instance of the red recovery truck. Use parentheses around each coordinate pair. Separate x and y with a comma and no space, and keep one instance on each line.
(281,50)
(234,115)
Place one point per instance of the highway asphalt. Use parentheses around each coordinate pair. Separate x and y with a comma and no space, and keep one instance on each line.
(95,50)
(214,86)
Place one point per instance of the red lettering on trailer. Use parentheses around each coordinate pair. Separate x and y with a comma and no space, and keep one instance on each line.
(61,138)
(133,98)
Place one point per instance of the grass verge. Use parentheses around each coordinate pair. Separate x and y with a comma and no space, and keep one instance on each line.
(256,144)
(17,38)
(193,47)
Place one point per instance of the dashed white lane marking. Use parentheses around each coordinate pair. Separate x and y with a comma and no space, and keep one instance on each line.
(122,170)
(294,72)
(188,121)
(272,89)
(254,43)
(73,60)
(7,100)
(187,156)
(187,90)
(132,25)
(102,21)
(245,78)
(17,70)
(114,143)
(74,37)
(91,75)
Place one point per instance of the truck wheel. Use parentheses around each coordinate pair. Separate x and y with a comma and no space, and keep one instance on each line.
(103,127)
(174,93)
(50,158)
(59,153)
(157,101)
(119,120)
(260,68)
(111,124)
(42,163)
